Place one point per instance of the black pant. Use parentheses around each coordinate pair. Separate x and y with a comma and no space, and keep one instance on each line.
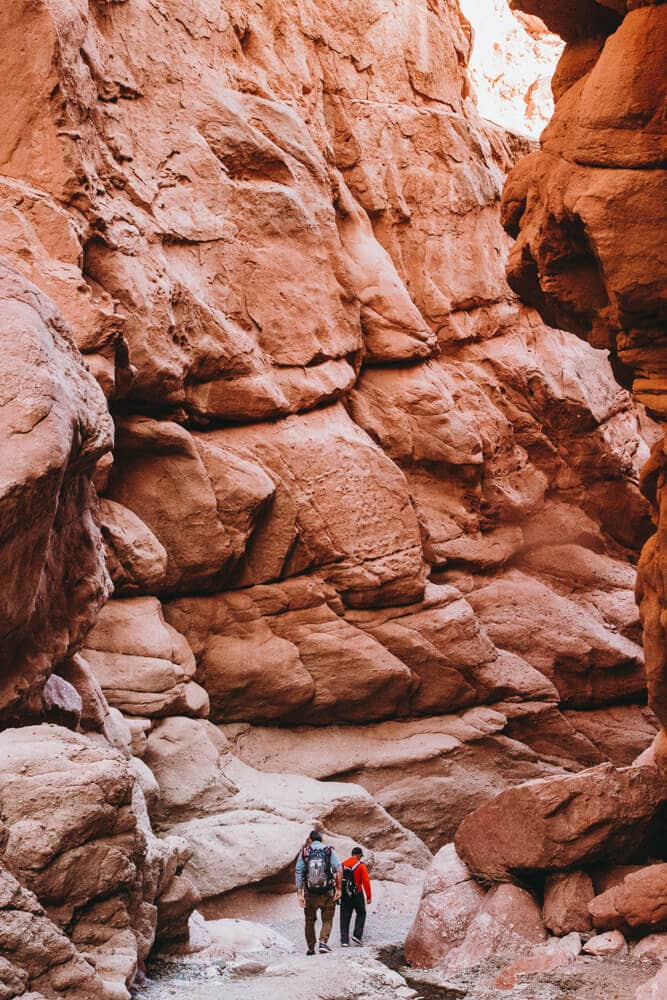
(357,905)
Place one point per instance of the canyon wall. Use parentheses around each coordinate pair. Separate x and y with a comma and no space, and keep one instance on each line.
(588,211)
(370,524)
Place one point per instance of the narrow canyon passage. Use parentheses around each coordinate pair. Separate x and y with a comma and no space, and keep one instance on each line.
(331,476)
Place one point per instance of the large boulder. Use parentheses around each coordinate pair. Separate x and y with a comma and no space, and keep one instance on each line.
(553,824)
(54,426)
(566,899)
(508,923)
(450,900)
(637,905)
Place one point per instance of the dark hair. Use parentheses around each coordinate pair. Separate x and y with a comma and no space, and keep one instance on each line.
(357,852)
(315,835)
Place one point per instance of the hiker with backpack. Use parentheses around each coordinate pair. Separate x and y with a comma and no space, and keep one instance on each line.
(356,889)
(318,883)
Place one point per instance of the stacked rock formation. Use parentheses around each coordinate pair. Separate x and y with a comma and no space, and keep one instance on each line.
(353,481)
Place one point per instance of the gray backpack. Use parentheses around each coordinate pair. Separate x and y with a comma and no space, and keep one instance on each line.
(318,870)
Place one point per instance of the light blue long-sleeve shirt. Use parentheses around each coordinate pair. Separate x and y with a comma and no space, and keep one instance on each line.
(301,865)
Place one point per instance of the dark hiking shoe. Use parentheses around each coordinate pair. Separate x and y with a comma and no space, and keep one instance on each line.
(311,951)
(324,947)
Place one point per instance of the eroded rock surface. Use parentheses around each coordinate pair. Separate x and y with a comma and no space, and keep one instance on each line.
(356,484)
(54,426)
(246,827)
(320,380)
(75,834)
(602,814)
(587,210)
(450,900)
(36,957)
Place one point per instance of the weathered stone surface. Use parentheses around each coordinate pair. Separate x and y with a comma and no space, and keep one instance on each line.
(327,664)
(76,836)
(637,905)
(164,476)
(598,175)
(450,900)
(174,908)
(655,988)
(94,706)
(393,328)
(651,946)
(558,823)
(355,213)
(652,599)
(607,876)
(136,560)
(589,663)
(552,955)
(243,826)
(507,923)
(545,729)
(36,957)
(143,665)
(339,505)
(341,441)
(452,659)
(428,773)
(566,899)
(61,702)
(609,943)
(189,760)
(54,426)
(620,732)
(285,651)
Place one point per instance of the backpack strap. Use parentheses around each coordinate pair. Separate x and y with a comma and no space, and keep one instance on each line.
(330,874)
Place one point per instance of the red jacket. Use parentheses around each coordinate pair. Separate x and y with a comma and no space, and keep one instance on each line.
(361,879)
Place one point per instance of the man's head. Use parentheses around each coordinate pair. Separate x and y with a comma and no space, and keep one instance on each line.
(315,835)
(357,852)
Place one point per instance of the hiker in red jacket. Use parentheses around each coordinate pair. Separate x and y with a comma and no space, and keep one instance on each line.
(356,886)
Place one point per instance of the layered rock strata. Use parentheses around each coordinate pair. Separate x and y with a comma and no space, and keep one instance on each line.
(354,480)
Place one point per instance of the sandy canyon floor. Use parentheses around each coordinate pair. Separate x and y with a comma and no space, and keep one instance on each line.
(377,971)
